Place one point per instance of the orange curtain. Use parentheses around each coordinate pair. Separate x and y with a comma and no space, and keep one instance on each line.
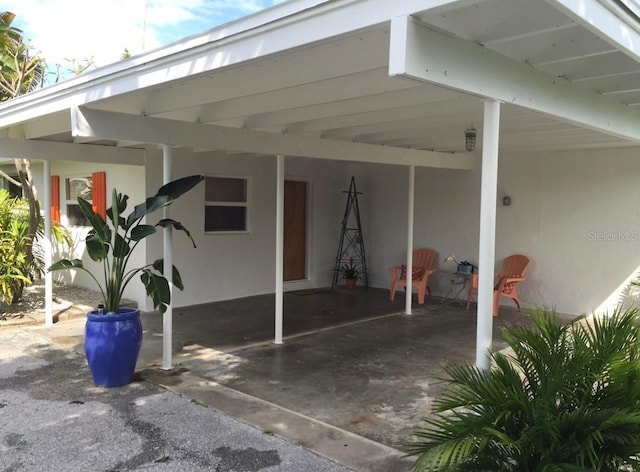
(55,198)
(99,193)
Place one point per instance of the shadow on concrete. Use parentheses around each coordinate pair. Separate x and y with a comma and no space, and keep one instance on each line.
(350,359)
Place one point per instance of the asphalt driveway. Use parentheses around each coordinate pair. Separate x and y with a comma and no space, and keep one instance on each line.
(52,418)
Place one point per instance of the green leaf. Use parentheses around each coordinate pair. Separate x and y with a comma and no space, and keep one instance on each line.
(100,227)
(150,205)
(166,222)
(565,397)
(66,264)
(97,248)
(165,196)
(118,206)
(157,288)
(120,248)
(180,186)
(142,231)
(121,202)
(177,279)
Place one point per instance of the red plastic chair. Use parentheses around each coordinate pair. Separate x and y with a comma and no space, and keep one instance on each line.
(510,276)
(423,260)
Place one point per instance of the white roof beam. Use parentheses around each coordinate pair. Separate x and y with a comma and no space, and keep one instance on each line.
(304,68)
(619,84)
(459,111)
(389,99)
(616,63)
(117,126)
(530,34)
(376,117)
(54,151)
(423,54)
(341,88)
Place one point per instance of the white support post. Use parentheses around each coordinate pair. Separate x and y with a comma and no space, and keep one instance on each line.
(411,199)
(47,246)
(167,235)
(279,247)
(486,259)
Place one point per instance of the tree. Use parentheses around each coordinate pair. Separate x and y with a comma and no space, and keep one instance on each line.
(75,67)
(8,33)
(20,72)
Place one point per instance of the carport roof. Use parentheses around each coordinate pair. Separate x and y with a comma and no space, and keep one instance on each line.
(361,80)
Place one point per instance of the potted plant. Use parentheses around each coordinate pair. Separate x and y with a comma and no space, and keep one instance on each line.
(113,334)
(350,273)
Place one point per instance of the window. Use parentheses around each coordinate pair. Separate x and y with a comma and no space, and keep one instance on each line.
(13,189)
(77,187)
(225,204)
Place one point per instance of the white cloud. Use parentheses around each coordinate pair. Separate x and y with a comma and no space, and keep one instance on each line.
(62,30)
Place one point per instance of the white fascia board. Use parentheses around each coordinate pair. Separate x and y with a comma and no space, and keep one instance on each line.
(420,53)
(118,126)
(300,23)
(53,151)
(606,20)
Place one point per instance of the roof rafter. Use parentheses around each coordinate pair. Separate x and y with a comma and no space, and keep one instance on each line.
(119,126)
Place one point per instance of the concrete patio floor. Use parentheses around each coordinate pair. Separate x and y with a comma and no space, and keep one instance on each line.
(351,358)
(351,381)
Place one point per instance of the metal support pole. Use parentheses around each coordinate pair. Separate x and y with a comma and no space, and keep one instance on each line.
(486,259)
(167,237)
(411,199)
(47,246)
(279,247)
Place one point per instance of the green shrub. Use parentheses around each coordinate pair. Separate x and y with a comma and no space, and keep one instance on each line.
(566,398)
(15,269)
(19,264)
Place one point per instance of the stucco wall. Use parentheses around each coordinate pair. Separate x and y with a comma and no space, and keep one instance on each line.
(575,214)
(227,266)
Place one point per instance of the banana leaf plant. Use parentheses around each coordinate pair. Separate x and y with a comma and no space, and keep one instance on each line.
(113,242)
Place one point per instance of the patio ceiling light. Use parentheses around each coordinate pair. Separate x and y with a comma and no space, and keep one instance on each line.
(470,139)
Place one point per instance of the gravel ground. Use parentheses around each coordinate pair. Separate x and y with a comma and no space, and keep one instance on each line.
(63,297)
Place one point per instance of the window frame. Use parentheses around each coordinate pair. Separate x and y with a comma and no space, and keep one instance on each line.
(66,201)
(246,204)
(14,190)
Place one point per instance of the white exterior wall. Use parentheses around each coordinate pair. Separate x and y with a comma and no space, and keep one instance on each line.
(227,266)
(575,214)
(128,180)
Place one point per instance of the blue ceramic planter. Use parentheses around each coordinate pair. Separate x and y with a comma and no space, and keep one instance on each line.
(112,344)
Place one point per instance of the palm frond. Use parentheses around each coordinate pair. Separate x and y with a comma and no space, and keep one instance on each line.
(564,397)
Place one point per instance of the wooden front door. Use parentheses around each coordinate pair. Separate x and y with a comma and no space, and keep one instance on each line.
(295,230)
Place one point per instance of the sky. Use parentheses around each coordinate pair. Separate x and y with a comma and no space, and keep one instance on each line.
(66,30)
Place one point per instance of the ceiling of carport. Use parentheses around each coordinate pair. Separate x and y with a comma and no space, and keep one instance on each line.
(340,89)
